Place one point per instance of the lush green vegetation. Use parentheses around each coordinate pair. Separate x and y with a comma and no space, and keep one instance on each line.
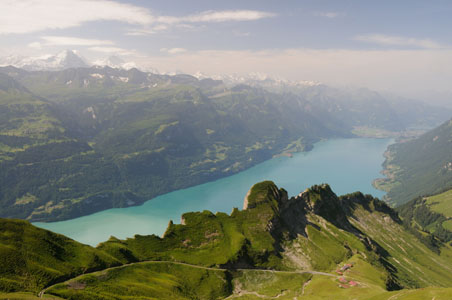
(32,258)
(441,203)
(430,214)
(148,281)
(419,167)
(272,249)
(26,296)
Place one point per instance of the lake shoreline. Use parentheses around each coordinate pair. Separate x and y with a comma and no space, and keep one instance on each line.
(347,165)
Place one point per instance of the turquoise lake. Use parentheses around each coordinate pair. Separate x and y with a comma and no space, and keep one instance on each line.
(348,165)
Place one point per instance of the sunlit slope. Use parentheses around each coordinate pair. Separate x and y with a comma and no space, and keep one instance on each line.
(313,231)
(315,245)
(32,258)
(420,167)
(430,214)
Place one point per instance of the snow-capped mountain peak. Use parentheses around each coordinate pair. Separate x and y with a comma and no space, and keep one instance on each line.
(118,63)
(63,60)
(258,79)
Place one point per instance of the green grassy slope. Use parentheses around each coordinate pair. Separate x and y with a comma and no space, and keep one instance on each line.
(259,252)
(315,231)
(419,167)
(32,258)
(166,281)
(147,281)
(441,203)
(430,214)
(26,296)
(412,263)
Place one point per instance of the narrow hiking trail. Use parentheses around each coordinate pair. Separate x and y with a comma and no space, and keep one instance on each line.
(42,292)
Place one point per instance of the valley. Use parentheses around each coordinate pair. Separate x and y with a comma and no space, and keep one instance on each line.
(114,138)
(346,164)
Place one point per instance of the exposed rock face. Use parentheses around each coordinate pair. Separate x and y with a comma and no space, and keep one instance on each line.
(291,216)
(245,201)
(321,201)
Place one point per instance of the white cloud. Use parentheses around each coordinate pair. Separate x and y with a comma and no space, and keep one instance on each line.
(390,40)
(212,16)
(26,16)
(328,14)
(147,31)
(241,33)
(227,15)
(185,22)
(73,41)
(35,45)
(173,50)
(112,50)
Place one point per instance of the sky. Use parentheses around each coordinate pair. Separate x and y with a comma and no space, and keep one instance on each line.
(402,46)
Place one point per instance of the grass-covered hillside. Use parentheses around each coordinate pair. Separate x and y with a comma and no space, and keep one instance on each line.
(419,167)
(314,246)
(430,214)
(32,258)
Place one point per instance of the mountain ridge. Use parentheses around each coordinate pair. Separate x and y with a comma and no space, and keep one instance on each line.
(274,233)
(62,60)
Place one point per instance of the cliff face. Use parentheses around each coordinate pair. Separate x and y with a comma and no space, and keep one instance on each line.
(291,213)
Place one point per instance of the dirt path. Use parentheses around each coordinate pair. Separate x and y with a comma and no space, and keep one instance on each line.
(304,286)
(41,293)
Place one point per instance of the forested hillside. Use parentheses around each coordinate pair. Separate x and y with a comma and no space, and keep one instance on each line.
(430,214)
(419,167)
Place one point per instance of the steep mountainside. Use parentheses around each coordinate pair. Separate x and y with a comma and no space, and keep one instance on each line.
(430,214)
(316,245)
(361,109)
(31,258)
(419,167)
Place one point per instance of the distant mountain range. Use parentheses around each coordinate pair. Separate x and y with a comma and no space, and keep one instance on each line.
(68,59)
(63,60)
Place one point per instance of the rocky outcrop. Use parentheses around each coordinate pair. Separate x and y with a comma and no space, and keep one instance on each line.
(265,192)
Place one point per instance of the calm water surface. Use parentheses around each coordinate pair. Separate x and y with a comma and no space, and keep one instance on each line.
(348,165)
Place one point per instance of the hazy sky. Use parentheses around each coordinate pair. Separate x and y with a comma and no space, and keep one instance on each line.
(397,45)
